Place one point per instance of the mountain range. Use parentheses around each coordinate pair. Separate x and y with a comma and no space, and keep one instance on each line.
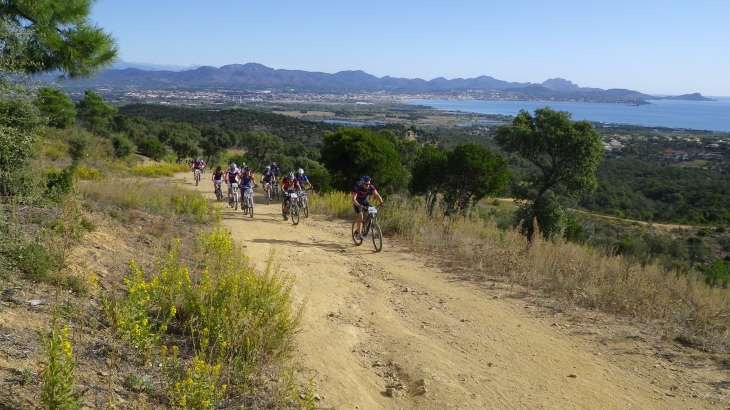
(253,75)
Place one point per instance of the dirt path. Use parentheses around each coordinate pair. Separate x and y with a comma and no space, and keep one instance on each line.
(390,331)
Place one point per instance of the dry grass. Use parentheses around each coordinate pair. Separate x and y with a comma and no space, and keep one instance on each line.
(568,273)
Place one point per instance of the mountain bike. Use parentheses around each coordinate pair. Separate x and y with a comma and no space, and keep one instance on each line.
(267,192)
(293,208)
(369,225)
(197,176)
(247,202)
(234,198)
(304,203)
(219,190)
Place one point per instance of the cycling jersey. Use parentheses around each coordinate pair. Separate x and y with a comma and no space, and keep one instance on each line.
(218,175)
(363,193)
(268,176)
(288,184)
(198,164)
(275,170)
(246,180)
(302,179)
(232,175)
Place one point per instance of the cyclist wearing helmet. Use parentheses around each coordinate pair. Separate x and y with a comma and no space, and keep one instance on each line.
(267,176)
(288,185)
(198,165)
(275,169)
(247,178)
(232,174)
(302,179)
(217,177)
(360,193)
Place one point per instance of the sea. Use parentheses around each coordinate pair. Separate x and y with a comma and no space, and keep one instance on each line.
(692,115)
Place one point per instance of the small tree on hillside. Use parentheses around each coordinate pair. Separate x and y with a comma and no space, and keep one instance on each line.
(350,153)
(260,146)
(428,176)
(472,173)
(94,111)
(565,154)
(56,106)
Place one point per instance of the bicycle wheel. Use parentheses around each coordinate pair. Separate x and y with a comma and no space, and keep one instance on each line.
(377,236)
(250,207)
(197,178)
(267,194)
(355,238)
(294,213)
(305,206)
(219,194)
(235,200)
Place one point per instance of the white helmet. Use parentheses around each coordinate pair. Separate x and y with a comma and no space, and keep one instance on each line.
(300,171)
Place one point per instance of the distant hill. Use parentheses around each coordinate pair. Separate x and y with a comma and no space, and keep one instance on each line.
(253,75)
(687,97)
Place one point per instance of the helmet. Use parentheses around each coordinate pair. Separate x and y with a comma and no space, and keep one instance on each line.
(268,167)
(300,171)
(365,179)
(246,168)
(218,168)
(273,164)
(233,165)
(290,175)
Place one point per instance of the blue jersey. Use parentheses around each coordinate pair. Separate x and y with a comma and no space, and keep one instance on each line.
(246,180)
(302,179)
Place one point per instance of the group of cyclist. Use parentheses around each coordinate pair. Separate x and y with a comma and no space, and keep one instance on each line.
(291,183)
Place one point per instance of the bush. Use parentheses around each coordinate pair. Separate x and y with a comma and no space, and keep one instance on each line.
(59,183)
(152,148)
(123,146)
(88,174)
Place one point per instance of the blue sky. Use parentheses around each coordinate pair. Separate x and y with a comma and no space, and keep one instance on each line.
(653,46)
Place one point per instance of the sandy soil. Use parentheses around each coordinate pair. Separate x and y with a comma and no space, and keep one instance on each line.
(392,330)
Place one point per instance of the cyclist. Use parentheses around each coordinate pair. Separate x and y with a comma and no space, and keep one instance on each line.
(302,179)
(198,165)
(217,177)
(276,170)
(267,177)
(288,185)
(360,193)
(232,174)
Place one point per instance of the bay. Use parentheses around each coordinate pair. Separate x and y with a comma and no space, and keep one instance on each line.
(696,115)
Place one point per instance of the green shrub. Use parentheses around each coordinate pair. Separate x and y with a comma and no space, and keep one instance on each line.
(152,148)
(123,146)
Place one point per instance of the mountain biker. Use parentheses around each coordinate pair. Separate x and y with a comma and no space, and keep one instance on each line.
(198,165)
(289,185)
(360,193)
(232,174)
(302,179)
(275,169)
(217,177)
(267,177)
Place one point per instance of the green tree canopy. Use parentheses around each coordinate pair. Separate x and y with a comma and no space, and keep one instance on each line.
(260,146)
(213,141)
(472,173)
(42,36)
(56,106)
(350,153)
(428,176)
(94,111)
(565,153)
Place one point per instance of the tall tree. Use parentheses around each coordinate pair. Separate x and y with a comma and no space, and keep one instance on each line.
(213,141)
(94,111)
(565,153)
(429,176)
(260,146)
(54,36)
(56,106)
(472,173)
(350,153)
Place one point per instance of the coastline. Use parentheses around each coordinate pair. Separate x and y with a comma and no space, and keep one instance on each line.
(705,116)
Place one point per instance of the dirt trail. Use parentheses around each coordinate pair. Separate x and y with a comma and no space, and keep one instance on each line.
(389,324)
